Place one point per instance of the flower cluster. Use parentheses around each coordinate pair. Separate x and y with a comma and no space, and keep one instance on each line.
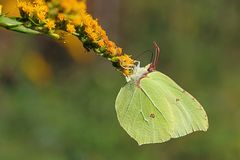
(50,16)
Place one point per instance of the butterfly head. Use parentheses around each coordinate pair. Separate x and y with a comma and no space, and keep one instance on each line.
(140,72)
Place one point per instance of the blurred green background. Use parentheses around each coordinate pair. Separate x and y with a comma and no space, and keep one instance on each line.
(57,101)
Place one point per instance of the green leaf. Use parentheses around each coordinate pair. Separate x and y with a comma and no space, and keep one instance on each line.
(14,25)
(9,22)
(24,29)
(154,109)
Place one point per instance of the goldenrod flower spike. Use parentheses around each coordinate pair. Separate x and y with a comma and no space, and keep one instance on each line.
(48,16)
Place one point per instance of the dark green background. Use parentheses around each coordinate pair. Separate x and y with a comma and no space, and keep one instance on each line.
(72,117)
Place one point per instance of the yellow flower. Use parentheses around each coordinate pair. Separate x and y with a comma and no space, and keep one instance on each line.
(103,33)
(87,21)
(38,2)
(111,44)
(26,7)
(119,51)
(77,20)
(70,28)
(66,6)
(61,16)
(112,51)
(36,8)
(41,16)
(21,4)
(126,61)
(91,33)
(101,43)
(41,8)
(94,36)
(50,24)
(73,5)
(88,30)
(127,72)
(79,5)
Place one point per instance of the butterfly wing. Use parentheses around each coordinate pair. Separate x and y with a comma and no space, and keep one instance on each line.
(145,120)
(188,114)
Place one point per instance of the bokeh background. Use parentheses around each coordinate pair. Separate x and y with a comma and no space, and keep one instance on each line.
(57,100)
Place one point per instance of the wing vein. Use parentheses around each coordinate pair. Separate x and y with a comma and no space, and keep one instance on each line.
(155,105)
(128,106)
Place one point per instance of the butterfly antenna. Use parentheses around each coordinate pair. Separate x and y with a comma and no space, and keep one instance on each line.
(155,58)
(157,54)
(144,52)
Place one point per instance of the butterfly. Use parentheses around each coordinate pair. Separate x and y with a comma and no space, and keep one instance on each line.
(152,108)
